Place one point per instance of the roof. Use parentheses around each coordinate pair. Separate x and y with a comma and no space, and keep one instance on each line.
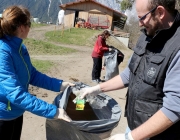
(63,6)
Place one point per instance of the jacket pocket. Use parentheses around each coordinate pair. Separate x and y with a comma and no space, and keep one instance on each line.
(135,60)
(144,110)
(152,69)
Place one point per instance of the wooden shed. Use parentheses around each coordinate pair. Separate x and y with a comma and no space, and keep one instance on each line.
(92,11)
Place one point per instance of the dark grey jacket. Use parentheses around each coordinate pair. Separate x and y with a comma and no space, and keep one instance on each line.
(148,67)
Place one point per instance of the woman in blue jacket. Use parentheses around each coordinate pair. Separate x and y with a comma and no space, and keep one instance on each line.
(17,72)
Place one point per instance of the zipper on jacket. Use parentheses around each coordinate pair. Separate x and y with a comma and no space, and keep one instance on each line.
(20,52)
(9,106)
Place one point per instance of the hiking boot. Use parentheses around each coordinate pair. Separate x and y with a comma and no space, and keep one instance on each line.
(97,81)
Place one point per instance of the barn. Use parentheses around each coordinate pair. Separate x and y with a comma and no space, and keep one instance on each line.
(92,12)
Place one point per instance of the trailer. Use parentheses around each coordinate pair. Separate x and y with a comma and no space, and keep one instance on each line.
(97,22)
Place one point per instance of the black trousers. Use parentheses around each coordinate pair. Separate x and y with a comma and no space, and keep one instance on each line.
(11,130)
(97,66)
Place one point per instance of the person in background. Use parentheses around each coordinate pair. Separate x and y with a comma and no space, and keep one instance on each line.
(99,48)
(152,76)
(17,72)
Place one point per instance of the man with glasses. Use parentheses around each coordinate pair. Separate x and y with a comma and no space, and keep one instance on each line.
(152,76)
(144,17)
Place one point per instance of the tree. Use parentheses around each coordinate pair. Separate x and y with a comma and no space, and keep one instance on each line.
(126,4)
(178,5)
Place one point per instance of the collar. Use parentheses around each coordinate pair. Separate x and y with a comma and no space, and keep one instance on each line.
(14,41)
(174,26)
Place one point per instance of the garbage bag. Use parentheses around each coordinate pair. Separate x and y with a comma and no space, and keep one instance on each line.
(61,130)
(99,116)
(112,59)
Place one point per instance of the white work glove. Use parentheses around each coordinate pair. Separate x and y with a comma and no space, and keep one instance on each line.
(110,49)
(122,137)
(65,85)
(95,90)
(61,114)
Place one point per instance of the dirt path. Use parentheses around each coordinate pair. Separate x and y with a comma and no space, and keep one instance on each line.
(38,33)
(77,65)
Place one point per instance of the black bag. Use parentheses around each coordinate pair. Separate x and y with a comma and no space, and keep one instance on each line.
(97,119)
(61,130)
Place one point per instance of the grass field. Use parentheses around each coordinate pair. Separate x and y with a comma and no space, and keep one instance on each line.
(39,47)
(42,65)
(35,25)
(76,36)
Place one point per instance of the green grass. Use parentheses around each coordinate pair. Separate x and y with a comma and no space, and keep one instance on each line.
(34,25)
(76,36)
(42,65)
(38,47)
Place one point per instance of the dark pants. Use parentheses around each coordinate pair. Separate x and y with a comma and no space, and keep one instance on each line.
(97,66)
(11,130)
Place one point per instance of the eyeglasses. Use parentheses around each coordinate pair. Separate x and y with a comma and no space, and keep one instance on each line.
(28,24)
(144,17)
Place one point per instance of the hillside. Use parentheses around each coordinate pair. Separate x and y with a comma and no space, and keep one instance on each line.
(45,10)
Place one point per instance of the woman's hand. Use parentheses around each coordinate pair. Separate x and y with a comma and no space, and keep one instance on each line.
(65,85)
(61,114)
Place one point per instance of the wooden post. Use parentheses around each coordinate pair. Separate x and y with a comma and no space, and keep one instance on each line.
(70,28)
(62,32)
(54,30)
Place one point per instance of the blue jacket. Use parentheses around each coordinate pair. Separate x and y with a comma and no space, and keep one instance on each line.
(16,73)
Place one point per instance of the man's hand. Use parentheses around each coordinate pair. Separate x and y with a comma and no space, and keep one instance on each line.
(122,137)
(61,114)
(65,85)
(95,90)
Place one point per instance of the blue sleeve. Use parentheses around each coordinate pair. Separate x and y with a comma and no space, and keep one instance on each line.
(12,90)
(41,80)
(171,101)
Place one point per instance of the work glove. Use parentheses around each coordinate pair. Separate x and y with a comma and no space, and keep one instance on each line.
(95,90)
(65,85)
(122,137)
(61,114)
(110,49)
